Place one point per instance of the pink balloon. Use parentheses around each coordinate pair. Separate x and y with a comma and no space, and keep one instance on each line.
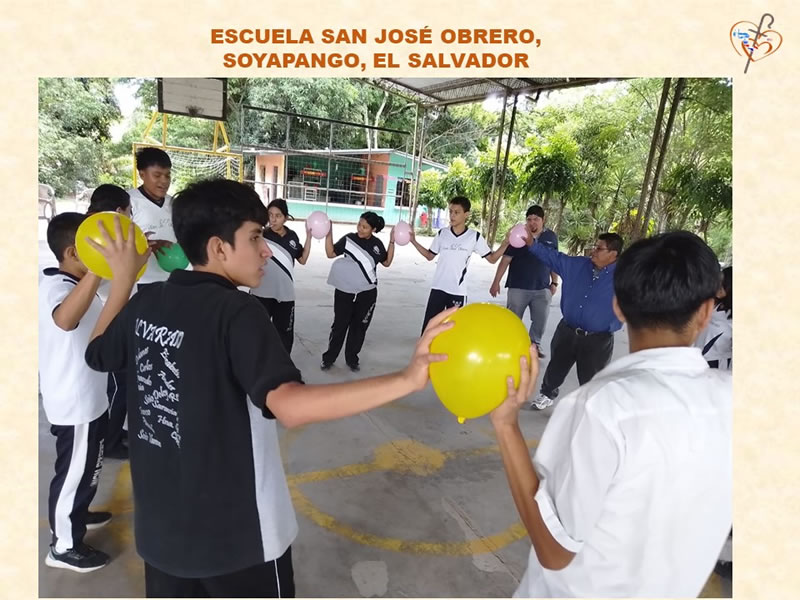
(402,233)
(318,224)
(518,235)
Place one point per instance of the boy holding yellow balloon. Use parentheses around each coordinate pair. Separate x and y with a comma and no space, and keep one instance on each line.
(212,378)
(629,493)
(74,398)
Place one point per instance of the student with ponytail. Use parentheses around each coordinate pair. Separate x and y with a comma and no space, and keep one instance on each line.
(354,276)
(276,291)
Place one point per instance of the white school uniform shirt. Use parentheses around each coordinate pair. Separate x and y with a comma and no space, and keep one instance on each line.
(635,479)
(72,393)
(454,252)
(158,219)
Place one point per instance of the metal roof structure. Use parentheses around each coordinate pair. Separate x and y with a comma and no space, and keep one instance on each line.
(432,92)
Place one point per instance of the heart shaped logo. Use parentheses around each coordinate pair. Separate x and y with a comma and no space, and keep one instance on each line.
(743,40)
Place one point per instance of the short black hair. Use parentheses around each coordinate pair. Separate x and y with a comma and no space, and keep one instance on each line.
(149,156)
(61,232)
(661,281)
(108,197)
(613,241)
(535,210)
(213,207)
(373,220)
(462,201)
(281,205)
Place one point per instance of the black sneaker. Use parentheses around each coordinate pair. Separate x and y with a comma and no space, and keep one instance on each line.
(325,366)
(354,368)
(81,559)
(95,520)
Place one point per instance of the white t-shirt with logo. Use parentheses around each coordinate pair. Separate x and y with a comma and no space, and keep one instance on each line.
(149,216)
(72,393)
(454,253)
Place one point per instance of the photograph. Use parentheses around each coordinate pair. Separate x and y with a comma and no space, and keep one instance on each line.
(344,337)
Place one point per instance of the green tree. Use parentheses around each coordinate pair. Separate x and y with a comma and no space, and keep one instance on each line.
(551,172)
(430,194)
(75,117)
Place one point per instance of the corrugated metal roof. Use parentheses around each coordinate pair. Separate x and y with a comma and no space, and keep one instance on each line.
(439,91)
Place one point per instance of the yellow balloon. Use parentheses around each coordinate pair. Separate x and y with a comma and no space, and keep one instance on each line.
(90,228)
(483,349)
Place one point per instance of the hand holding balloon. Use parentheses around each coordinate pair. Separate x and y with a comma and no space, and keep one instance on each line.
(517,236)
(417,370)
(402,233)
(107,242)
(483,350)
(508,412)
(116,254)
(318,224)
(171,257)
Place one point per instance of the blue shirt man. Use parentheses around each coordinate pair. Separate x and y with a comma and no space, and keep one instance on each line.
(585,335)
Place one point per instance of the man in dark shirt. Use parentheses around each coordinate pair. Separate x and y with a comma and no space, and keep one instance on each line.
(531,284)
(207,377)
(585,334)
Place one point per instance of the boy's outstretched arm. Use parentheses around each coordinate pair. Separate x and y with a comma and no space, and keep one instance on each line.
(522,477)
(295,404)
(72,308)
(497,254)
(125,262)
(420,248)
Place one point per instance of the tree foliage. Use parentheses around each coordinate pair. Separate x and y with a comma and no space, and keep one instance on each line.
(583,160)
(75,118)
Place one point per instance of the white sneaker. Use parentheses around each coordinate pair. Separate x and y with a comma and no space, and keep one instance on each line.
(541,402)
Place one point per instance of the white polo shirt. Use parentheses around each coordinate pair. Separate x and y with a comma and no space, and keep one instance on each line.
(149,216)
(635,478)
(72,393)
(454,253)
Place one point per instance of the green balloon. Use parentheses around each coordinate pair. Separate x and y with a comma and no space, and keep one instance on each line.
(172,258)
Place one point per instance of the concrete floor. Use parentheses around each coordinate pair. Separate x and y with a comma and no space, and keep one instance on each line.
(400,502)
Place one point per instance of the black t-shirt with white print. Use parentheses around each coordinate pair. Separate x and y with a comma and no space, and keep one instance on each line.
(356,270)
(210,493)
(278,279)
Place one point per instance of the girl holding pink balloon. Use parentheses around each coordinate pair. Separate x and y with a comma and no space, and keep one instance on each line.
(276,291)
(354,277)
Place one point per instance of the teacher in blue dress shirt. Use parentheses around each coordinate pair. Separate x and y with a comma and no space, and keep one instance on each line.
(585,334)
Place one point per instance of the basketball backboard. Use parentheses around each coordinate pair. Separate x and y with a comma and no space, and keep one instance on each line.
(201,97)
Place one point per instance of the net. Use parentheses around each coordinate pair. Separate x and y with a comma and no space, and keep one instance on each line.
(189,165)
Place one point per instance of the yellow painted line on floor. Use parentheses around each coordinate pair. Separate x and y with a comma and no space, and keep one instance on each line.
(404,456)
(482,545)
